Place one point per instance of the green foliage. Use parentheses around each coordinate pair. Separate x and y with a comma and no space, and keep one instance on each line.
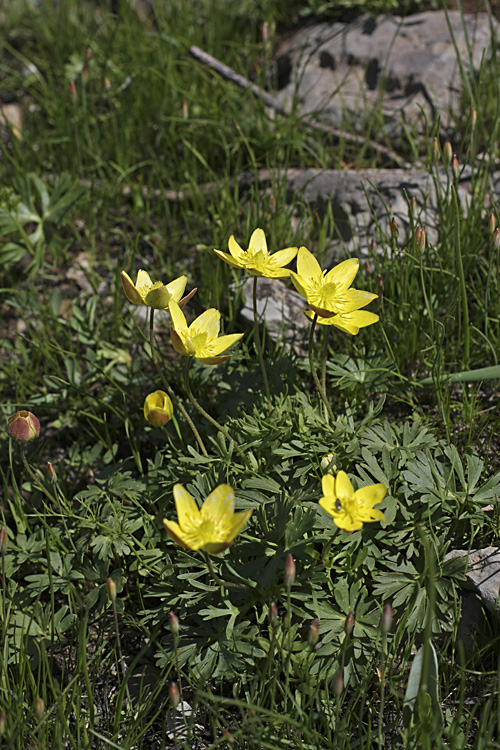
(137,169)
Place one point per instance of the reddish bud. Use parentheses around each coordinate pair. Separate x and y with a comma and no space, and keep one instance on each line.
(111,586)
(313,633)
(290,571)
(273,614)
(107,83)
(23,426)
(39,708)
(368,270)
(496,239)
(394,228)
(349,623)
(3,540)
(373,245)
(72,89)
(380,285)
(51,472)
(185,109)
(174,695)
(435,149)
(420,239)
(473,118)
(455,167)
(386,620)
(3,721)
(447,153)
(228,737)
(173,622)
(492,224)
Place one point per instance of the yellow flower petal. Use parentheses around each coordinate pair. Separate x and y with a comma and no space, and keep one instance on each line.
(307,265)
(240,519)
(224,342)
(187,510)
(343,274)
(131,292)
(236,251)
(228,258)
(372,494)
(143,280)
(176,288)
(258,243)
(343,486)
(220,503)
(177,317)
(208,322)
(328,484)
(175,532)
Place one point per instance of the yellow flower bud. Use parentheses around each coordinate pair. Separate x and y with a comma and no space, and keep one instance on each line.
(111,586)
(158,408)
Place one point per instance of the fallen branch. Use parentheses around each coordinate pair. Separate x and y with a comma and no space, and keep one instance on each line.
(259,93)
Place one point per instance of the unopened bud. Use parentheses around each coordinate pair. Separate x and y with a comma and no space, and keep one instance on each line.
(435,149)
(174,695)
(39,708)
(313,633)
(338,683)
(349,623)
(394,228)
(23,426)
(455,167)
(185,110)
(265,32)
(420,239)
(228,737)
(173,622)
(496,239)
(327,464)
(158,408)
(473,118)
(368,269)
(373,245)
(51,472)
(386,620)
(3,540)
(273,614)
(88,54)
(72,89)
(290,570)
(492,224)
(380,285)
(447,153)
(85,73)
(3,721)
(414,205)
(107,83)
(111,586)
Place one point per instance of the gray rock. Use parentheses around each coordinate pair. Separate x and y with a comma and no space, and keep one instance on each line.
(409,66)
(363,203)
(281,308)
(483,575)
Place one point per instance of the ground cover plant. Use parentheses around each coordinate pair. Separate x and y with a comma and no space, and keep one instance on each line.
(209,538)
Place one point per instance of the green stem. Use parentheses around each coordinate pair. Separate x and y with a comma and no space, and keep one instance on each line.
(259,345)
(320,390)
(37,481)
(207,416)
(169,390)
(326,330)
(220,581)
(461,276)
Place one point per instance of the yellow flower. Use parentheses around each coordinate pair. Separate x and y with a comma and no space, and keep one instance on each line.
(348,322)
(201,339)
(212,528)
(156,295)
(158,408)
(257,260)
(351,509)
(328,292)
